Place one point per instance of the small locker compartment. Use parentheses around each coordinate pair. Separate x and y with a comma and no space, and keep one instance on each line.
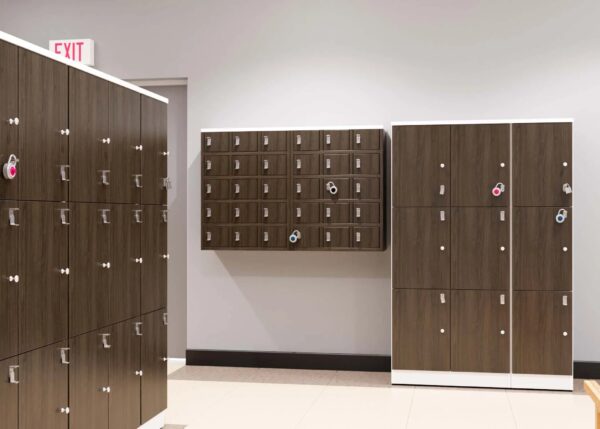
(274,189)
(304,213)
(367,139)
(366,188)
(215,142)
(336,140)
(215,189)
(244,189)
(304,140)
(244,142)
(273,212)
(273,165)
(273,237)
(365,213)
(336,237)
(306,164)
(366,163)
(273,141)
(215,237)
(244,212)
(367,237)
(334,212)
(336,188)
(244,236)
(216,165)
(216,212)
(337,163)
(244,165)
(306,189)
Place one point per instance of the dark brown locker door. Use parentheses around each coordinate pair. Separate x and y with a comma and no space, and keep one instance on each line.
(244,189)
(244,165)
(274,189)
(304,140)
(88,144)
(43,128)
(273,141)
(306,164)
(273,237)
(480,161)
(215,237)
(421,246)
(43,263)
(480,248)
(367,139)
(366,237)
(421,165)
(155,151)
(364,213)
(215,142)
(125,381)
(244,236)
(274,165)
(89,387)
(337,188)
(542,333)
(336,237)
(155,258)
(125,145)
(126,261)
(273,213)
(306,189)
(336,212)
(310,237)
(542,156)
(216,165)
(216,212)
(216,189)
(9,114)
(366,188)
(9,393)
(336,140)
(306,213)
(480,331)
(9,280)
(542,249)
(420,325)
(154,365)
(337,163)
(244,212)
(244,142)
(366,163)
(89,276)
(44,389)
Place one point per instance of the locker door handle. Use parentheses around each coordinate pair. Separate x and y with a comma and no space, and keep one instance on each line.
(13,121)
(358,237)
(298,212)
(236,212)
(12,374)
(236,164)
(65,271)
(442,215)
(139,148)
(164,359)
(139,373)
(208,141)
(137,179)
(266,140)
(208,236)
(357,138)
(265,236)
(567,188)
(442,298)
(65,132)
(166,183)
(298,139)
(265,212)
(236,188)
(63,355)
(64,410)
(298,164)
(137,216)
(298,188)
(63,216)
(328,236)
(14,279)
(265,164)
(106,389)
(328,163)
(166,256)
(104,216)
(565,301)
(105,343)
(328,212)
(502,216)
(63,173)
(208,165)
(165,319)
(105,265)
(165,153)
(358,187)
(328,139)
(208,212)
(138,329)
(236,141)
(106,140)
(358,163)
(502,299)
(139,260)
(266,188)
(237,236)
(104,177)
(12,216)
(442,189)
(358,212)
(208,188)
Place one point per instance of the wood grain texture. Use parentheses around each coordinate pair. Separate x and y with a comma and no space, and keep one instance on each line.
(243,236)
(154,157)
(277,141)
(338,140)
(306,164)
(477,154)
(478,237)
(277,165)
(308,140)
(370,237)
(277,237)
(273,213)
(335,212)
(539,259)
(154,349)
(9,291)
(337,164)
(216,212)
(417,320)
(248,165)
(219,189)
(309,213)
(215,142)
(539,151)
(366,188)
(244,142)
(367,140)
(154,268)
(9,108)
(540,321)
(9,395)
(336,237)
(480,331)
(310,189)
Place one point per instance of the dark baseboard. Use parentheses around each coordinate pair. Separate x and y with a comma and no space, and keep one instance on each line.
(339,362)
(588,370)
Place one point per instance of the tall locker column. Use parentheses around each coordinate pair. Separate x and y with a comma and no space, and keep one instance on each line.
(9,117)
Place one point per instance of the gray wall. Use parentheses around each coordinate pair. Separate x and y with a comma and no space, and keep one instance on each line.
(309,62)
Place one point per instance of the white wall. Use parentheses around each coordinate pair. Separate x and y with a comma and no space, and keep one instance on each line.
(309,62)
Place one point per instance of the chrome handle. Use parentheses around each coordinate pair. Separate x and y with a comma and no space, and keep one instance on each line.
(265,236)
(357,212)
(139,148)
(105,343)
(357,138)
(63,355)
(358,237)
(298,188)
(565,301)
(12,218)
(139,260)
(236,164)
(358,187)
(502,299)
(358,163)
(208,236)
(65,132)
(328,236)
(265,212)
(237,141)
(137,216)
(208,165)
(298,139)
(139,373)
(298,212)
(106,389)
(266,188)
(104,177)
(442,215)
(63,173)
(502,216)
(208,141)
(64,271)
(63,216)
(165,153)
(442,189)
(328,139)
(265,164)
(104,216)
(165,256)
(236,212)
(105,265)
(13,121)
(442,298)
(208,212)
(13,279)
(106,140)
(137,179)
(328,163)
(164,359)
(298,164)
(266,140)
(165,319)
(138,329)
(166,183)
(237,236)
(236,188)
(165,216)
(328,212)
(12,374)
(208,188)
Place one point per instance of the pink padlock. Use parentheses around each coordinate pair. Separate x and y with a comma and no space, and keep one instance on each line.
(498,189)
(9,170)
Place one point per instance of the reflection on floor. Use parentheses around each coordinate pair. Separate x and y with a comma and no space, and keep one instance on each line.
(219,397)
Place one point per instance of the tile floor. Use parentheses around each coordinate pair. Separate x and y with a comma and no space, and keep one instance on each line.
(216,397)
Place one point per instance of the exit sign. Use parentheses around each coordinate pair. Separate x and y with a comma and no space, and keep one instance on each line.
(80,50)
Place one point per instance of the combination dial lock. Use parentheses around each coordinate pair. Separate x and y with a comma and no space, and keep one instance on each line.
(9,170)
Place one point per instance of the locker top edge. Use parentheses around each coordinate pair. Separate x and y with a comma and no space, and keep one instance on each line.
(302,128)
(486,121)
(48,54)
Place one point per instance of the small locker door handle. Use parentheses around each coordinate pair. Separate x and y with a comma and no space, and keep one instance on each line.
(298,139)
(328,139)
(442,189)
(12,374)
(328,236)
(63,173)
(357,138)
(104,177)
(265,164)
(64,219)
(64,359)
(105,343)
(298,164)
(298,212)
(64,410)
(208,212)
(106,389)
(12,216)
(265,188)
(265,212)
(236,164)
(137,179)
(165,153)
(358,163)
(265,140)
(236,212)
(208,188)
(328,163)
(502,216)
(237,141)
(65,132)
(13,121)
(165,319)
(166,256)
(138,329)
(502,299)
(106,140)
(265,236)
(236,189)
(65,271)
(442,215)
(166,183)
(358,212)
(208,141)
(105,265)
(565,301)
(237,236)
(328,212)
(137,216)
(208,236)
(208,165)
(298,188)
(104,216)
(139,373)
(358,237)
(139,260)
(139,148)
(14,279)
(358,187)
(442,298)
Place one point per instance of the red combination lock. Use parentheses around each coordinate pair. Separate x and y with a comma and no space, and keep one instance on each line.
(498,189)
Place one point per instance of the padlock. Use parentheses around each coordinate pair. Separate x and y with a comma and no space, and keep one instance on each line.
(561,216)
(10,168)
(295,236)
(498,189)
(332,188)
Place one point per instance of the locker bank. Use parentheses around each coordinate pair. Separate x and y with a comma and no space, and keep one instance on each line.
(299,215)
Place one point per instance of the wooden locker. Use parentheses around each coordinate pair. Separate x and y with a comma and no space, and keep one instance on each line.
(306,189)
(244,165)
(89,387)
(365,213)
(336,237)
(216,212)
(542,164)
(273,213)
(306,164)
(542,249)
(155,258)
(480,331)
(9,392)
(310,237)
(370,139)
(243,189)
(89,248)
(125,145)
(43,288)
(155,150)
(215,237)
(154,364)
(366,188)
(10,278)
(273,189)
(421,159)
(215,142)
(273,237)
(480,248)
(304,213)
(421,324)
(542,333)
(273,141)
(126,261)
(366,237)
(480,161)
(216,165)
(215,189)
(421,248)
(43,128)
(273,165)
(366,163)
(304,140)
(244,236)
(44,389)
(244,142)
(342,184)
(124,375)
(9,114)
(336,140)
(337,163)
(334,212)
(89,137)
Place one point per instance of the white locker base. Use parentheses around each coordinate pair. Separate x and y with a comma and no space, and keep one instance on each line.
(156,422)
(482,379)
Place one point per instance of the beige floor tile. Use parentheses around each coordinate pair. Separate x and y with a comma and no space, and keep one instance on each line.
(434,407)
(359,378)
(295,376)
(351,407)
(550,410)
(215,373)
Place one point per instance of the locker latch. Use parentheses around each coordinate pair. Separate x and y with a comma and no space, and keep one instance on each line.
(237,236)
(137,216)
(237,141)
(357,138)
(265,236)
(208,236)
(104,177)
(104,216)
(358,163)
(442,215)
(265,188)
(165,319)
(208,212)
(139,148)
(137,179)
(298,139)
(208,188)
(105,343)
(63,216)
(298,164)
(266,140)
(298,188)
(166,183)
(358,237)
(358,187)
(64,359)
(63,173)
(442,298)
(565,301)
(138,329)
(265,212)
(358,212)
(208,165)
(236,188)
(208,141)
(12,374)
(265,164)
(502,216)
(298,212)
(236,164)
(442,189)
(328,236)
(567,189)
(328,163)
(502,299)
(328,139)
(328,212)
(236,212)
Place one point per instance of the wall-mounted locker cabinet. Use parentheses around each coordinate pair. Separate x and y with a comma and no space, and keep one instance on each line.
(87,261)
(302,182)
(481,213)
(154,364)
